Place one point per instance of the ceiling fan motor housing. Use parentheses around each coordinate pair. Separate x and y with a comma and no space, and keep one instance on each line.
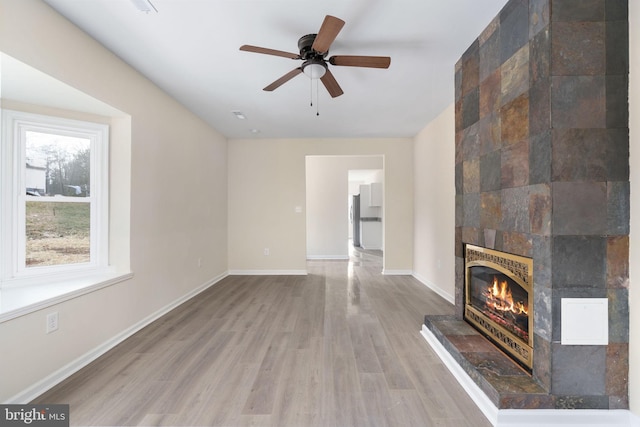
(304,45)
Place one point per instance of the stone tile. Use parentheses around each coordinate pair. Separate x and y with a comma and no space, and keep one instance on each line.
(475,343)
(490,94)
(578,49)
(514,120)
(489,133)
(617,101)
(489,237)
(470,69)
(542,261)
(542,313)
(618,315)
(458,115)
(471,176)
(452,328)
(460,135)
(470,142)
(491,213)
(539,16)
(570,363)
(540,58)
(492,362)
(515,209)
(527,401)
(489,51)
(489,31)
(579,261)
(618,262)
(471,210)
(579,208)
(490,171)
(458,177)
(471,235)
(578,102)
(540,209)
(517,243)
(459,286)
(616,10)
(540,108)
(459,253)
(457,85)
(540,158)
(579,155)
(459,210)
(470,108)
(514,162)
(542,361)
(514,28)
(514,75)
(618,208)
(617,40)
(582,402)
(617,372)
(577,10)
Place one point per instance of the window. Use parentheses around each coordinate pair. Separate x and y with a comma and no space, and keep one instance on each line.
(54,202)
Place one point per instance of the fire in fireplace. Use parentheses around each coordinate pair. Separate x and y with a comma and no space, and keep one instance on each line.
(499,300)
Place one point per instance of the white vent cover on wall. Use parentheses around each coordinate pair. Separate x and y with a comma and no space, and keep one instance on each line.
(585,321)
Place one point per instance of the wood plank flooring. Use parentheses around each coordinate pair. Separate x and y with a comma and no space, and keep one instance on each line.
(339,347)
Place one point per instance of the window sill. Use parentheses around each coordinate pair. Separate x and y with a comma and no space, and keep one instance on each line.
(21,300)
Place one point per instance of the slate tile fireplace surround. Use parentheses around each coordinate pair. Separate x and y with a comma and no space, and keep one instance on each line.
(542,171)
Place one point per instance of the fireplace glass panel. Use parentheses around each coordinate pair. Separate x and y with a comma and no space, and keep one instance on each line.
(499,300)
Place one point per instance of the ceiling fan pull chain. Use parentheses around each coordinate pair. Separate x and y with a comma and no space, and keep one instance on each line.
(317,99)
(311,92)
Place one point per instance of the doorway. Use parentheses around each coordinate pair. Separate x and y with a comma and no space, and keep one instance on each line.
(331,181)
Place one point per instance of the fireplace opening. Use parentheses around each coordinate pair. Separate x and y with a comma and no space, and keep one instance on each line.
(499,300)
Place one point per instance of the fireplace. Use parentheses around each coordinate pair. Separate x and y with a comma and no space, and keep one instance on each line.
(499,300)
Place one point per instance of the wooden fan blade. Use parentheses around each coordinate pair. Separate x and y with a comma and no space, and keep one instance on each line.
(361,61)
(282,80)
(331,84)
(264,50)
(328,32)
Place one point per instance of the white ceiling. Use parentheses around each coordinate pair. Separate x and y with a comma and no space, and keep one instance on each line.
(190,48)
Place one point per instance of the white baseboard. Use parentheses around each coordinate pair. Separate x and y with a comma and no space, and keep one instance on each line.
(66,371)
(329,257)
(388,272)
(528,417)
(446,295)
(268,272)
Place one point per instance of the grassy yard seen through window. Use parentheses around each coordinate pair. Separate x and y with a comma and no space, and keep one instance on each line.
(57,233)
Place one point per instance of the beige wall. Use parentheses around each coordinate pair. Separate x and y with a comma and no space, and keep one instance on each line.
(267,182)
(634,266)
(434,204)
(177,204)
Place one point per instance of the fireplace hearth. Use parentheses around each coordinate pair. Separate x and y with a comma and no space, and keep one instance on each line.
(498,300)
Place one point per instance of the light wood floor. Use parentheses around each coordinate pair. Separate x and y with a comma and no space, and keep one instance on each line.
(339,347)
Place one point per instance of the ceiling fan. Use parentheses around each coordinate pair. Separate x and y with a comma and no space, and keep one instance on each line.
(313,51)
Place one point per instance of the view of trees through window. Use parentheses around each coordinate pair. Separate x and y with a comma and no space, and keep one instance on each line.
(58,205)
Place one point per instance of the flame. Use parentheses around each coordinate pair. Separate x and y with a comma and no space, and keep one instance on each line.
(500,298)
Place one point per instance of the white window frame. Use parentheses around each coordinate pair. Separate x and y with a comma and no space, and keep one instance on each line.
(15,124)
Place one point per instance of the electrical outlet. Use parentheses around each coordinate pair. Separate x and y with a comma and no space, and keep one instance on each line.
(52,322)
(266,251)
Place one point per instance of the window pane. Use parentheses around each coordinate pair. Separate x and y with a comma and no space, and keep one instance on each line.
(57,165)
(57,233)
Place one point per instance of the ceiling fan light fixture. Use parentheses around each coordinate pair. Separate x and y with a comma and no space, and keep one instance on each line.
(314,69)
(144,6)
